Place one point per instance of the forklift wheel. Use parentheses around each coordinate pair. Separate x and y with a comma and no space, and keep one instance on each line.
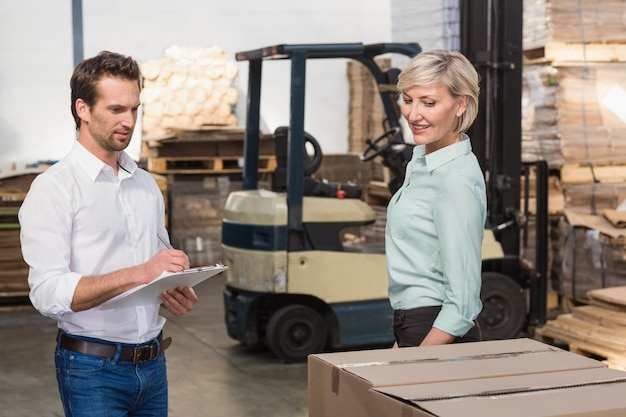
(294,332)
(504,308)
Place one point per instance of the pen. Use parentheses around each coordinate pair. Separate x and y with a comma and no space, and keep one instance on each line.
(165,242)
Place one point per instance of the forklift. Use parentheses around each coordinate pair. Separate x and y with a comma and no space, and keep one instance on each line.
(294,284)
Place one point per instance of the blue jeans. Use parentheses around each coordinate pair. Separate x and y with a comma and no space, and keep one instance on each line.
(92,386)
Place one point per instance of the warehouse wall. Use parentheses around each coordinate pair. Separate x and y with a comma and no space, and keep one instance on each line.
(37,58)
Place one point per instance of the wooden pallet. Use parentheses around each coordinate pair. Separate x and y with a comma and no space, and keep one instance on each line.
(206,165)
(202,142)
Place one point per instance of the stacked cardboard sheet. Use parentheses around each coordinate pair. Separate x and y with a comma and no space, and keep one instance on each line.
(597,329)
(592,254)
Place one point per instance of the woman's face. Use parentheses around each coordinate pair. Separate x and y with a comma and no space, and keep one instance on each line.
(432,114)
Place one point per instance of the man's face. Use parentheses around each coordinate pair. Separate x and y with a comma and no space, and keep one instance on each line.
(111,120)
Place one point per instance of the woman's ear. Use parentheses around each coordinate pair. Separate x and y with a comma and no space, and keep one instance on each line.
(463,100)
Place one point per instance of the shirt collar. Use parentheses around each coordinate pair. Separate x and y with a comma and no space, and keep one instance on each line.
(94,166)
(444,155)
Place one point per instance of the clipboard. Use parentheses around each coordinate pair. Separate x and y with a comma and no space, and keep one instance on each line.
(148,294)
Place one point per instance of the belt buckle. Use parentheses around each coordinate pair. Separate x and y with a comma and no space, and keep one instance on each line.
(143,354)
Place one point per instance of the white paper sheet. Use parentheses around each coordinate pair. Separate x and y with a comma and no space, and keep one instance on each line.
(148,294)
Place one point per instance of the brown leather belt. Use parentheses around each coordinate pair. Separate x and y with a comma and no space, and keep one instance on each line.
(136,355)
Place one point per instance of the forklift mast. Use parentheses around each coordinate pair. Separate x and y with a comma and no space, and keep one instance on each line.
(298,54)
(491,38)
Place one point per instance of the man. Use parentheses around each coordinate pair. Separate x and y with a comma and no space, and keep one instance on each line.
(89,228)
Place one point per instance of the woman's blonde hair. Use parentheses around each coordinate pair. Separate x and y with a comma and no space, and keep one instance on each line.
(454,70)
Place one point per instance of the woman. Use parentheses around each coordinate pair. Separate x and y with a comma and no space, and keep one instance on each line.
(435,221)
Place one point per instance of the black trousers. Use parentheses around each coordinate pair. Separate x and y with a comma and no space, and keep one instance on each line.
(410,327)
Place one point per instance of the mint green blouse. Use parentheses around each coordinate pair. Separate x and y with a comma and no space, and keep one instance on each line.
(433,237)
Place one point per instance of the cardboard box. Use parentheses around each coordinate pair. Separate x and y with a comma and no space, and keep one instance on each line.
(519,377)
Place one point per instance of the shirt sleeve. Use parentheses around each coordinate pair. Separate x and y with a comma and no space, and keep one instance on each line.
(459,215)
(45,227)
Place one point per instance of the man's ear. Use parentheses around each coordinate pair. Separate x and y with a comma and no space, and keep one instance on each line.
(82,110)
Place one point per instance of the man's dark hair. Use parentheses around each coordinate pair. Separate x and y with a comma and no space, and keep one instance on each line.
(89,71)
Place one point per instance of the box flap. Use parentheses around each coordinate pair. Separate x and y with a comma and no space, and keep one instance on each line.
(606,400)
(382,356)
(504,385)
(424,365)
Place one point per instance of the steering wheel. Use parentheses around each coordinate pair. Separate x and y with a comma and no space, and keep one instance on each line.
(381,144)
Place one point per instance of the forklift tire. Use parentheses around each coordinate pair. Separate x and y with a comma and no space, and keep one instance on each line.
(312,162)
(294,332)
(504,307)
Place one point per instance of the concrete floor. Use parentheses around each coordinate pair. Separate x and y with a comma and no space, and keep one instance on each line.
(209,373)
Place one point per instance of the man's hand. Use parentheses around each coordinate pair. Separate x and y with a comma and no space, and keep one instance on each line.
(179,300)
(170,260)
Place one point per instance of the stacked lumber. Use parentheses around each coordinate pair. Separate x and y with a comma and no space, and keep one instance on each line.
(596,329)
(189,87)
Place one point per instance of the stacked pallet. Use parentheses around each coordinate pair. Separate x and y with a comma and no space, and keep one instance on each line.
(211,150)
(597,329)
(201,167)
(13,270)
